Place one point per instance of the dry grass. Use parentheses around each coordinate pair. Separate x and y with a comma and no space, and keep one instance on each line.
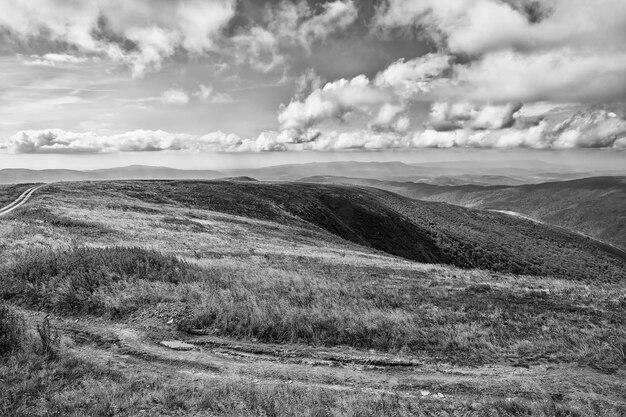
(250,278)
(411,312)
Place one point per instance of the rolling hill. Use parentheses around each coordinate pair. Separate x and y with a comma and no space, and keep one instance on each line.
(595,206)
(429,232)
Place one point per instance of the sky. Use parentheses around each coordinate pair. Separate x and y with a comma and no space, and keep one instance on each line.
(207,83)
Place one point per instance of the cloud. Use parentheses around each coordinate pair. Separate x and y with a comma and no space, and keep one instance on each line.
(175,96)
(450,116)
(333,100)
(413,77)
(206,94)
(384,99)
(560,76)
(336,16)
(522,50)
(478,27)
(60,141)
(288,25)
(140,33)
(598,128)
(388,118)
(594,129)
(52,60)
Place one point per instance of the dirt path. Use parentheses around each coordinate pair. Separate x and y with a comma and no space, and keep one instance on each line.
(21,200)
(138,348)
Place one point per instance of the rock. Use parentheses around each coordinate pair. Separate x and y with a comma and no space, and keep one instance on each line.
(177,345)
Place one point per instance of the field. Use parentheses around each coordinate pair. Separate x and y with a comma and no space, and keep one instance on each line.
(296,299)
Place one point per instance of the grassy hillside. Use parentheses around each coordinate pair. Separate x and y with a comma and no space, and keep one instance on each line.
(422,231)
(594,206)
(284,316)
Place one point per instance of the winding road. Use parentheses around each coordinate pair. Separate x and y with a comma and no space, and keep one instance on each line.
(22,199)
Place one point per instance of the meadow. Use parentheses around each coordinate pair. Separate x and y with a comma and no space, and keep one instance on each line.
(311,322)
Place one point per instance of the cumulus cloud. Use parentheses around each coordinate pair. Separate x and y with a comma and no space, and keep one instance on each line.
(562,50)
(50,141)
(493,56)
(141,33)
(600,128)
(501,70)
(333,100)
(415,76)
(597,128)
(175,96)
(480,26)
(449,116)
(384,98)
(559,76)
(60,141)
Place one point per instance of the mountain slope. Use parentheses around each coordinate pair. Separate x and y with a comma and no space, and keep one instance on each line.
(418,230)
(594,206)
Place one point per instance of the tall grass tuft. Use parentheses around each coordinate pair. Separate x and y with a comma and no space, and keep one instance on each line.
(76,280)
(12,331)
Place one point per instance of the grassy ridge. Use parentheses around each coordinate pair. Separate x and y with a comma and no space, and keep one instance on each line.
(423,231)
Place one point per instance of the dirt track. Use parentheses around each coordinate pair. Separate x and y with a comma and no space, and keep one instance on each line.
(21,200)
(137,348)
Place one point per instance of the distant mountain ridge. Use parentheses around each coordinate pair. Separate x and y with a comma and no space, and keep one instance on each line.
(441,173)
(14,176)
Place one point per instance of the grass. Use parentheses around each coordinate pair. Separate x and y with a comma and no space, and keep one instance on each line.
(11,331)
(80,280)
(413,313)
(278,280)
(35,383)
(74,386)
(417,230)
(68,224)
(8,193)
